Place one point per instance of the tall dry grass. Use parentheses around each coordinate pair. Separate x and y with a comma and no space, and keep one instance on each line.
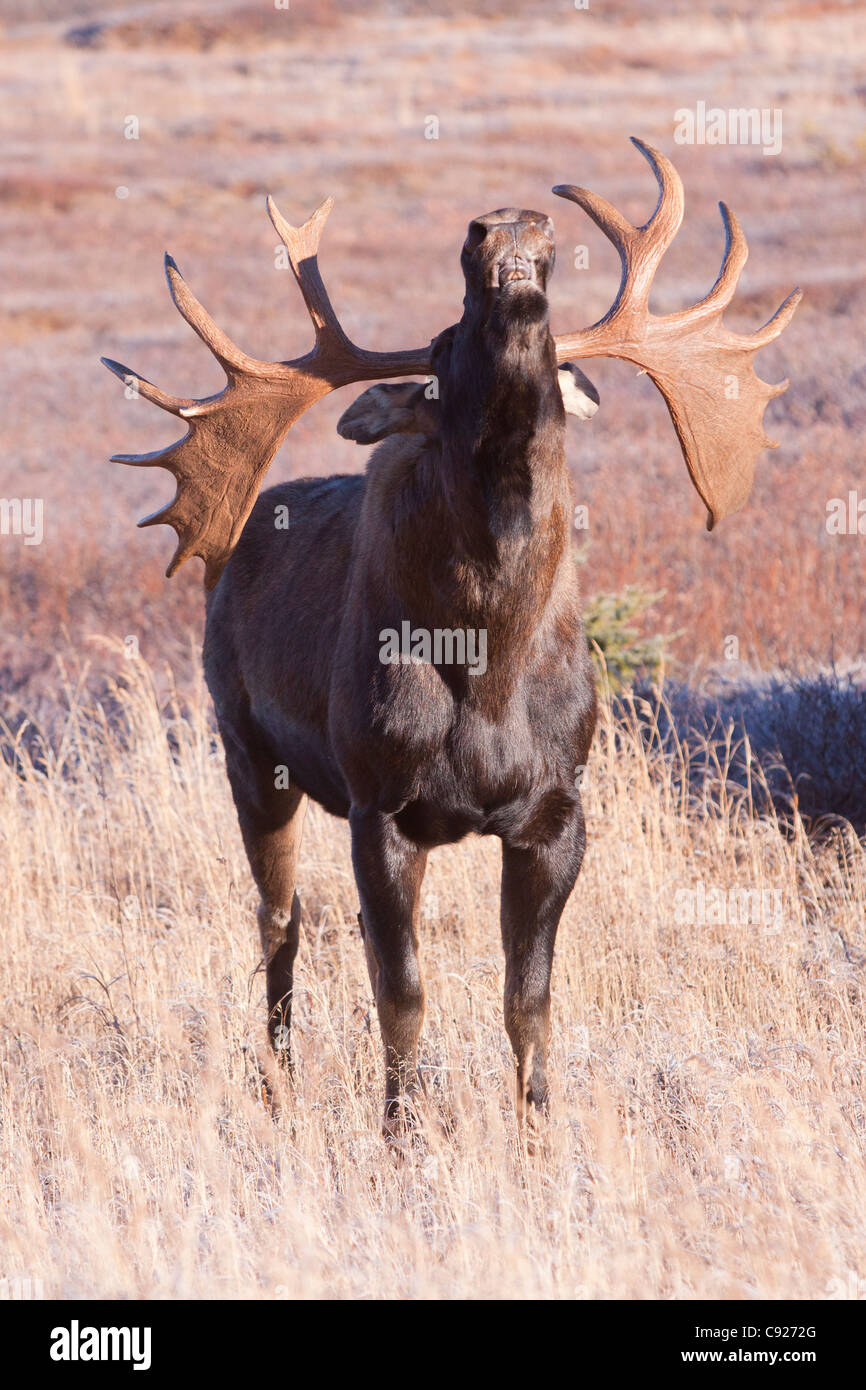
(707,1129)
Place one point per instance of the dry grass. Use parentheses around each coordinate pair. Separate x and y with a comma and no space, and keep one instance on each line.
(707,1133)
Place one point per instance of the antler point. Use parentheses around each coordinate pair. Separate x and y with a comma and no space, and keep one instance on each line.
(172,274)
(649,152)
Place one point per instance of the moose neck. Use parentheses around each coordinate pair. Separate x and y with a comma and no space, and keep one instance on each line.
(503,425)
(483,543)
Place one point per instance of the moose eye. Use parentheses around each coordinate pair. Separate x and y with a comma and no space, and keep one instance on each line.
(474,236)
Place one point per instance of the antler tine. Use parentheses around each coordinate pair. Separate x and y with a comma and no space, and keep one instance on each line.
(615,227)
(640,248)
(335,355)
(704,371)
(230,357)
(772,328)
(302,244)
(175,405)
(735,255)
(668,212)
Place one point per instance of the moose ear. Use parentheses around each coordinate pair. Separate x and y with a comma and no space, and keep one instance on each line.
(387,409)
(579,396)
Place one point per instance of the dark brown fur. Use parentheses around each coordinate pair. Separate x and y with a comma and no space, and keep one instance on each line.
(463,523)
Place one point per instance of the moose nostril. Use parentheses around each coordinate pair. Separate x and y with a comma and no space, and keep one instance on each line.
(513,268)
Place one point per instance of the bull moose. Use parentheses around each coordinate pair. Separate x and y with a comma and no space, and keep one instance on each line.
(461,523)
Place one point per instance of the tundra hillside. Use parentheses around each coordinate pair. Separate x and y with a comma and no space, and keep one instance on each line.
(321,99)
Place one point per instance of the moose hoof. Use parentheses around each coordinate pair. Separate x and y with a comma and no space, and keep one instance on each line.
(401,1121)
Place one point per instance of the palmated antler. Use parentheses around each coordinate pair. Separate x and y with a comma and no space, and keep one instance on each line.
(703,370)
(233,436)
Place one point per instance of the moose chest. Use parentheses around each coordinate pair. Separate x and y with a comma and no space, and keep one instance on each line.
(482,754)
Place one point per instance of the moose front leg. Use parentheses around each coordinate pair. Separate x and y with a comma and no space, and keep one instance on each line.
(389,870)
(536,883)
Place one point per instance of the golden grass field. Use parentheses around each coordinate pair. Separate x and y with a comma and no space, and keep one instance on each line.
(708,1131)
